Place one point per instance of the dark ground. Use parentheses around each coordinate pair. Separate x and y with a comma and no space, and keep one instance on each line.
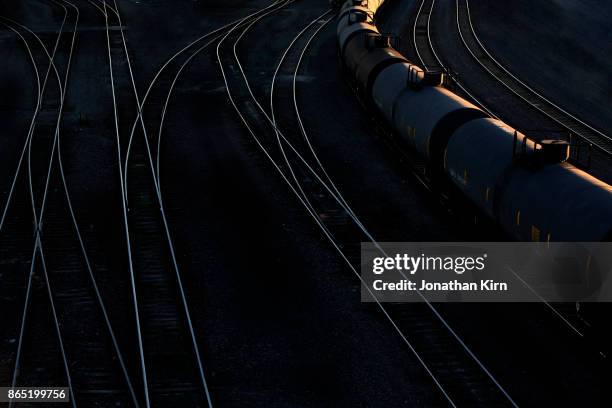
(277,312)
(572,39)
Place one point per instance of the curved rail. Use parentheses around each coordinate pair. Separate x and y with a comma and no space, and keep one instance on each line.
(328,233)
(38,217)
(426,52)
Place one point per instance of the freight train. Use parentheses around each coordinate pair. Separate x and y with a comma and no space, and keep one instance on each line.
(526,186)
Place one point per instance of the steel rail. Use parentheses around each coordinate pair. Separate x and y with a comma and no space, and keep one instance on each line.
(140,118)
(329,185)
(71,209)
(276,129)
(179,73)
(163,68)
(438,60)
(420,52)
(272,113)
(125,216)
(167,103)
(279,132)
(302,128)
(84,251)
(179,278)
(38,223)
(371,238)
(322,226)
(340,199)
(38,219)
(284,138)
(166,225)
(431,307)
(40,95)
(29,283)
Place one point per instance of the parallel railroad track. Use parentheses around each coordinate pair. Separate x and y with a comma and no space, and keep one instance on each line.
(169,356)
(427,56)
(457,374)
(171,365)
(65,336)
(421,34)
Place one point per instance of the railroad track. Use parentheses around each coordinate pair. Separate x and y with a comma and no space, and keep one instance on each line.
(421,34)
(142,224)
(160,304)
(60,275)
(171,363)
(484,58)
(458,376)
(23,212)
(148,229)
(61,257)
(427,56)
